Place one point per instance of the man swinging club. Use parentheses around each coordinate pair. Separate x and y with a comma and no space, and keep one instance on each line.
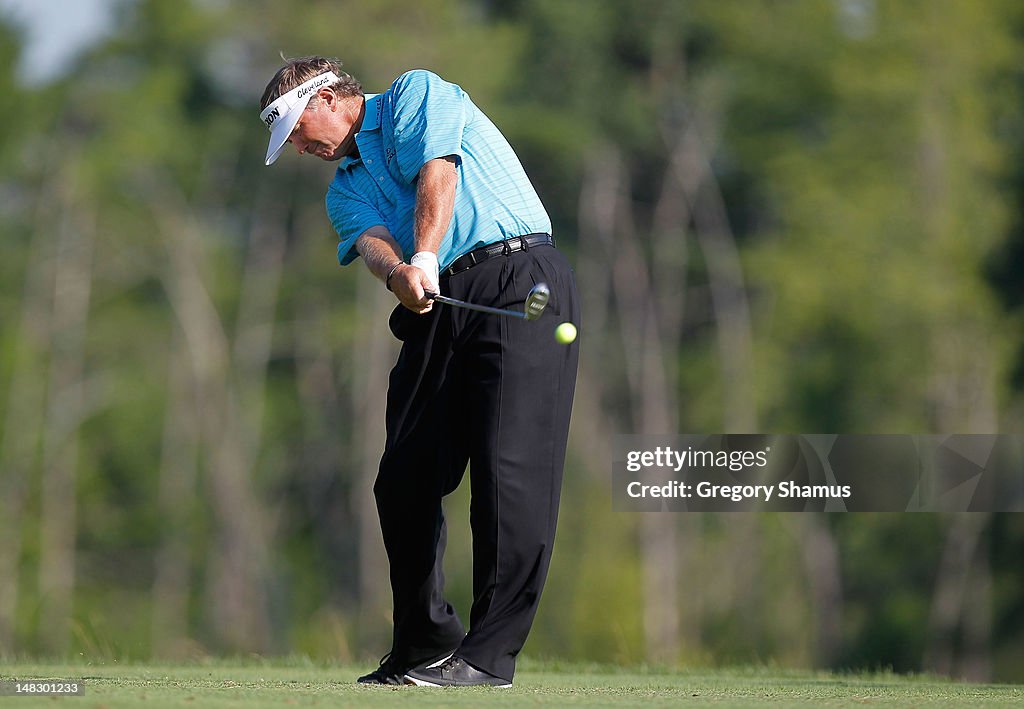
(432,197)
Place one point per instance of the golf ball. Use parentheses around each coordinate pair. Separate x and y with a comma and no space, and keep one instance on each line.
(565,333)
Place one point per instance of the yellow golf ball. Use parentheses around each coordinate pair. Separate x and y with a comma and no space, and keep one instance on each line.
(565,333)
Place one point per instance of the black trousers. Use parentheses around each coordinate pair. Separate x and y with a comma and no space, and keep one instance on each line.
(496,393)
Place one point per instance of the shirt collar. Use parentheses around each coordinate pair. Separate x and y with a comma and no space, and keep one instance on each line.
(371,121)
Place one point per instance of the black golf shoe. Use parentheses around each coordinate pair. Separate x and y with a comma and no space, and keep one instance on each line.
(391,672)
(454,672)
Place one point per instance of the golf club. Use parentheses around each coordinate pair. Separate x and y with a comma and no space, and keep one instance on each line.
(536,301)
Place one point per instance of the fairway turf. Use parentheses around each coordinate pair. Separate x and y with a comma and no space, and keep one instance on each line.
(296,683)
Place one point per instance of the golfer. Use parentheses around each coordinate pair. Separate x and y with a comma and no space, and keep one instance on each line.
(431,196)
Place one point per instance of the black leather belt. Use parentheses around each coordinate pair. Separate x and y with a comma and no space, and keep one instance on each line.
(498,248)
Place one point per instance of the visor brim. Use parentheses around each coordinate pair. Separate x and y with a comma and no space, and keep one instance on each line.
(283,130)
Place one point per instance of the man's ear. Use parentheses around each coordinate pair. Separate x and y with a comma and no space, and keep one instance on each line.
(328,97)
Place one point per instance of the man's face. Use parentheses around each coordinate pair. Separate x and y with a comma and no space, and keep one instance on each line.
(327,127)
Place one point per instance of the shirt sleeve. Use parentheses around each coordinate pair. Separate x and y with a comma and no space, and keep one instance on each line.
(350,216)
(429,120)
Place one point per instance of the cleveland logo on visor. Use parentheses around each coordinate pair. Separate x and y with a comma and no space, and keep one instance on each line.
(317,83)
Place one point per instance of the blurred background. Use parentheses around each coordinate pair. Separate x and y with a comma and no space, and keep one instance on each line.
(785,217)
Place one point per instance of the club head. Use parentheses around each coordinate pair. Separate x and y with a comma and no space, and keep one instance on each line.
(536,300)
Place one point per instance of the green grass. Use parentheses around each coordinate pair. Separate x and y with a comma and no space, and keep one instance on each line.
(277,683)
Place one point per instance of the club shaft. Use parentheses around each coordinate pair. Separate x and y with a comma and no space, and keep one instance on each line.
(473,306)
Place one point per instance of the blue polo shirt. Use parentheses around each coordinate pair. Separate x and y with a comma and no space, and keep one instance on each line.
(422,117)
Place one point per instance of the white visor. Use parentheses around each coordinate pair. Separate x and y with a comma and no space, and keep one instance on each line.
(282,114)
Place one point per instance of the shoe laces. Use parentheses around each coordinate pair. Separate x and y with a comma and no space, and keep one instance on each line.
(449,664)
(385,662)
(385,672)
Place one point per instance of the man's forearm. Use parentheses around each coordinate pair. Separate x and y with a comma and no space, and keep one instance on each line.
(435,202)
(379,250)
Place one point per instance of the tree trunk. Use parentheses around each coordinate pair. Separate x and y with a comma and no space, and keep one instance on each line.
(976,665)
(654,408)
(238,565)
(261,286)
(176,501)
(23,421)
(824,579)
(951,587)
(962,390)
(371,359)
(692,166)
(65,408)
(322,452)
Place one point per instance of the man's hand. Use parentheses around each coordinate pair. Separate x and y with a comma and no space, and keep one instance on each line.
(409,283)
(427,260)
(383,257)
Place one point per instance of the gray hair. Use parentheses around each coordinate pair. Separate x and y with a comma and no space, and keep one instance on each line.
(300,70)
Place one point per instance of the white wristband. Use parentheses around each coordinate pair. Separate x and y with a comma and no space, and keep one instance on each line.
(427,262)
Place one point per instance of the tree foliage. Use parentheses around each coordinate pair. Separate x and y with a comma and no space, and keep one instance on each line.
(785,217)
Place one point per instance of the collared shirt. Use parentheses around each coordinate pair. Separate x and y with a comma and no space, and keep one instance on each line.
(422,117)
